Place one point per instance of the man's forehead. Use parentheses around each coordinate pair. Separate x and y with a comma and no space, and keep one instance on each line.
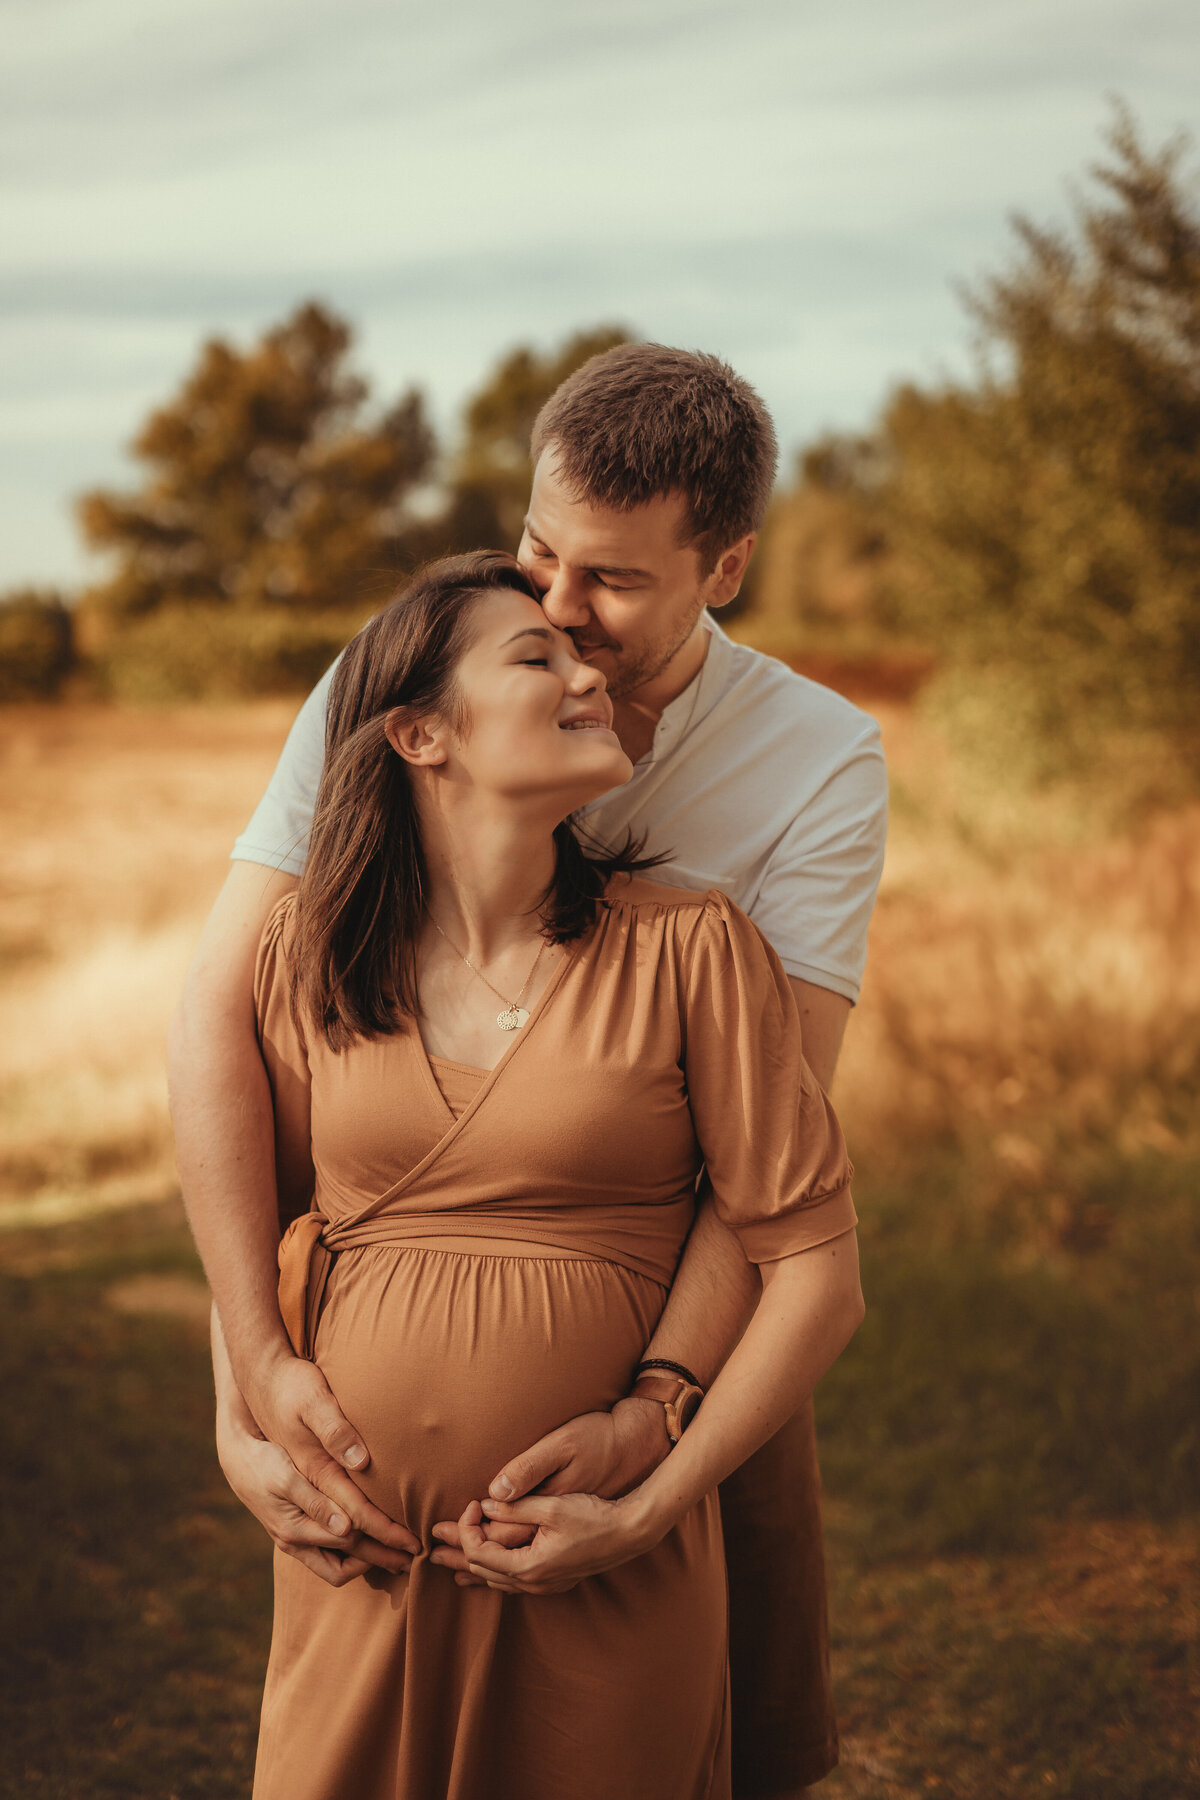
(602,536)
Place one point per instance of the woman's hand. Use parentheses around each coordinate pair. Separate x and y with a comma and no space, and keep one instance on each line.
(599,1453)
(605,1453)
(302,1424)
(575,1535)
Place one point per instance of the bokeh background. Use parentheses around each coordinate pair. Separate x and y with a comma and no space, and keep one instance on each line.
(283,288)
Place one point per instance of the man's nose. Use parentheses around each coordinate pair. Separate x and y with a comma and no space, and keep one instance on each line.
(565,601)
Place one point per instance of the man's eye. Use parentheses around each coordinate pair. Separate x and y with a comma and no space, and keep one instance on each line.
(536,662)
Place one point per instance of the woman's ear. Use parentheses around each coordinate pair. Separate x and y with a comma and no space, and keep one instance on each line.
(417,737)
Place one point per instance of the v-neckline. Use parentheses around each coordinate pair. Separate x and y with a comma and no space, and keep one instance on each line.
(489,1076)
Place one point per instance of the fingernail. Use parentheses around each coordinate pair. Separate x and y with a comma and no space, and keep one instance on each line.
(338,1524)
(354,1456)
(490,1506)
(501,1488)
(439,1557)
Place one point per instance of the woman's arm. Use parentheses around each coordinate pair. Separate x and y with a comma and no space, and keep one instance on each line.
(810,1308)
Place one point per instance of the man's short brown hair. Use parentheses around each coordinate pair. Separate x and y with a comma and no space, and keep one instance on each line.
(643,421)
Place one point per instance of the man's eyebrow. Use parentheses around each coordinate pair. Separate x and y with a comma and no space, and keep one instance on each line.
(539,631)
(596,568)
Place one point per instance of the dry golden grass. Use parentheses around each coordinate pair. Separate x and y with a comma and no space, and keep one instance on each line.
(116,827)
(1030,987)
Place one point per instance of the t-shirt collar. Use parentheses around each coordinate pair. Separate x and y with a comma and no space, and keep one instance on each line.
(698,698)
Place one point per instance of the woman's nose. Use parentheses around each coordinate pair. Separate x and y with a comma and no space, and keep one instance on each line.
(584,680)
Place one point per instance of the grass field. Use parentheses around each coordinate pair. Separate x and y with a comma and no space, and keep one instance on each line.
(1011,1445)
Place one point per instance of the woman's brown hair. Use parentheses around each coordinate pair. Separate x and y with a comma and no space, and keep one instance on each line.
(362,895)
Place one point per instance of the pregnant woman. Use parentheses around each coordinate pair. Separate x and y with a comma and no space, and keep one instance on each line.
(498,1065)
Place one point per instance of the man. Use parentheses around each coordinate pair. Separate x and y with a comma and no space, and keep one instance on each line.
(653,472)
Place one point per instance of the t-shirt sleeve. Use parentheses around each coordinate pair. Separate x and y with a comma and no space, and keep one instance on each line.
(771,1142)
(817,894)
(277,834)
(285,1054)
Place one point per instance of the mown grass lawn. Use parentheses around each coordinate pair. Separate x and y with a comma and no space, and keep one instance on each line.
(1010,1460)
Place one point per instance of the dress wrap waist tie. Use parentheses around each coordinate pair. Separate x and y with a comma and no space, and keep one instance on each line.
(305,1260)
(306,1254)
(646,1239)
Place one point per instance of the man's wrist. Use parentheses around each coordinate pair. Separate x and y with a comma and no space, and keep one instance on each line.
(646,1420)
(234,1417)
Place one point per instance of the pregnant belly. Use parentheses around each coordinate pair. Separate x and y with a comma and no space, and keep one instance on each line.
(449,1364)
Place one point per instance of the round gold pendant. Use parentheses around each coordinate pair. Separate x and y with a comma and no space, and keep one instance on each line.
(512,1018)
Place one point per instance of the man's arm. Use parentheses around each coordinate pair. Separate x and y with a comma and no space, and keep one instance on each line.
(225,1142)
(712,1300)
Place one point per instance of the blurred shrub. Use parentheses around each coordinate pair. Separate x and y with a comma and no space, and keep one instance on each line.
(36,648)
(190,652)
(824,552)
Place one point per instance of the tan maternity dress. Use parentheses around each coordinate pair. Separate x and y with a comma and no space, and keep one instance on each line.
(486,1256)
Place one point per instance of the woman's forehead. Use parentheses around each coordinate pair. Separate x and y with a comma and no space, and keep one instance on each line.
(508,614)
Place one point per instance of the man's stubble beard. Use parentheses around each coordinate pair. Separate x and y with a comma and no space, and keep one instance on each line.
(651,660)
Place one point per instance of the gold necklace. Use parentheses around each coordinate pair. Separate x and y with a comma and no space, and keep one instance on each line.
(514,1014)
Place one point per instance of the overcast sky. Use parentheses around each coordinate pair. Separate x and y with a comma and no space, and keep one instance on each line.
(796,184)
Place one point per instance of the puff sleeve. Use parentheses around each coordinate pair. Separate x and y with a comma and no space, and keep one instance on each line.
(771,1142)
(285,1054)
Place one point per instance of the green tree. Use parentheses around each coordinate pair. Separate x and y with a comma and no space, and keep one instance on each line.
(1046,515)
(268,485)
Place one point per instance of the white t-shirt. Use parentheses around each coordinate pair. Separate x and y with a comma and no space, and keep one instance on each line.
(759,782)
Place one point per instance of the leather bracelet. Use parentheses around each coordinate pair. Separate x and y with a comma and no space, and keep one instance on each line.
(661,1362)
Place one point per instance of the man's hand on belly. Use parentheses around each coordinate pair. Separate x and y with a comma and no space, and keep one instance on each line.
(335,1542)
(296,1515)
(604,1453)
(298,1416)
